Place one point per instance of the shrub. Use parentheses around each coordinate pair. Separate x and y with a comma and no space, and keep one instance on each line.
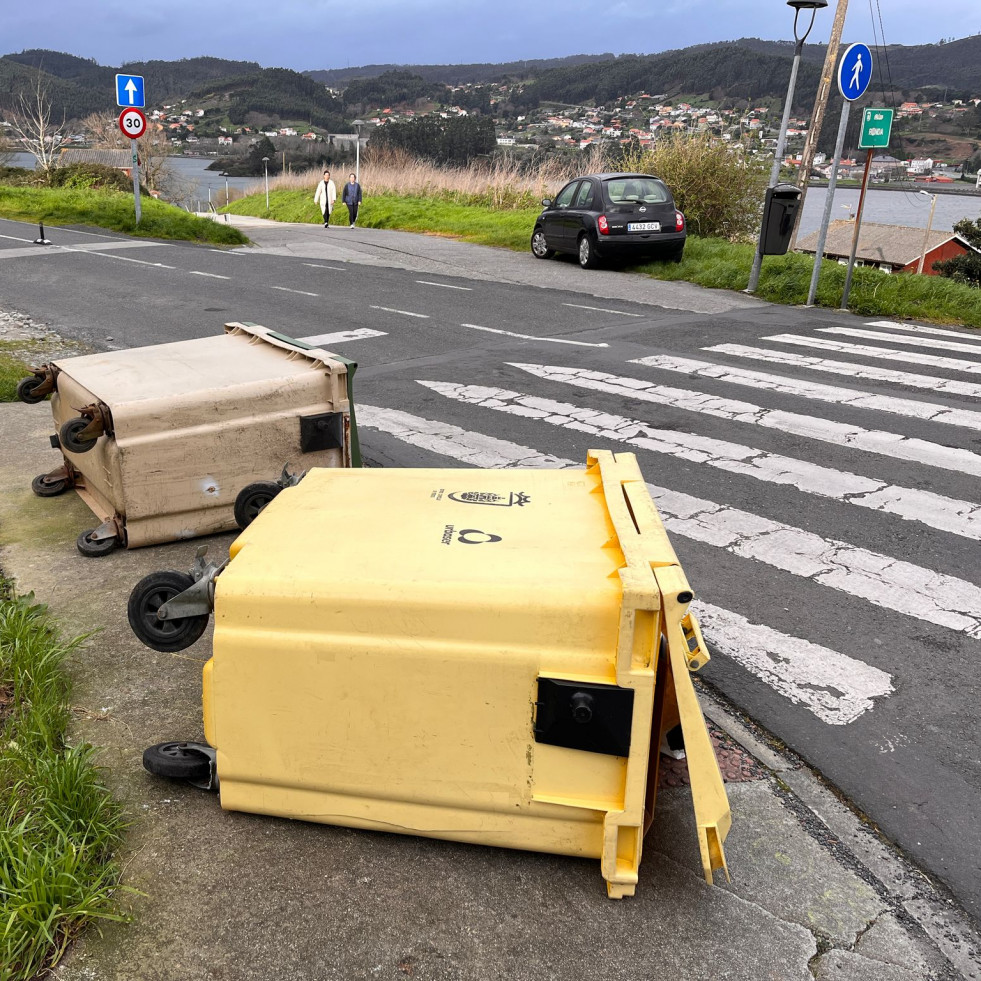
(718,189)
(90,176)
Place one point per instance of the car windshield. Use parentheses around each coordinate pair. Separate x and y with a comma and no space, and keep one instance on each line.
(637,190)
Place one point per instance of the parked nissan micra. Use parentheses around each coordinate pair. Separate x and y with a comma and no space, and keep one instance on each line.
(605,216)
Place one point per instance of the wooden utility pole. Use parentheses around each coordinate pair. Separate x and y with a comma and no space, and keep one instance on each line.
(820,104)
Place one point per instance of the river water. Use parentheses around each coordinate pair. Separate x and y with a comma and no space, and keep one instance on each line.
(193,183)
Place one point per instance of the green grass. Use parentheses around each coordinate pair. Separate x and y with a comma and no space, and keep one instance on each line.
(12,369)
(60,826)
(710,262)
(113,210)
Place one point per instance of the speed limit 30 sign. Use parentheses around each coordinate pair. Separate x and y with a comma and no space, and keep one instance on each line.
(133,123)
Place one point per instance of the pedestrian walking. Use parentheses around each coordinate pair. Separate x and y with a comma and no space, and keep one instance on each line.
(351,196)
(325,196)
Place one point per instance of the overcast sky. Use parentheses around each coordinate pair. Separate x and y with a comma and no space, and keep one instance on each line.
(310,34)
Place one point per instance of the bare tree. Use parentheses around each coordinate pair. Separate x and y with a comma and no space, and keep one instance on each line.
(153,148)
(31,124)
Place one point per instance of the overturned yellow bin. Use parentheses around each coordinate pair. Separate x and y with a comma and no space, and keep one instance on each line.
(487,656)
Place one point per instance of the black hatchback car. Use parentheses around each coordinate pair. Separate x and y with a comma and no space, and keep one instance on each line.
(601,216)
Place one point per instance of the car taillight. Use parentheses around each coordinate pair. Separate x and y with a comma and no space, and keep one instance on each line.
(679,221)
(603,225)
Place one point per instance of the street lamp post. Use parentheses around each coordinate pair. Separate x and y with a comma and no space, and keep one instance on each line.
(265,167)
(813,6)
(357,153)
(926,234)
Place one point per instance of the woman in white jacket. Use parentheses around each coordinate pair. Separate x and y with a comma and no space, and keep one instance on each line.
(325,196)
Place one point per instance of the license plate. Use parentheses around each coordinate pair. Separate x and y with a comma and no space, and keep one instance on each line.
(643,226)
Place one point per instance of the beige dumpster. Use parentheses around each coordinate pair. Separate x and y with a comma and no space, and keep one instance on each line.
(178,440)
(488,656)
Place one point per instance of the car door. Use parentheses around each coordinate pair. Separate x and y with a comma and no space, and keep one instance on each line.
(579,216)
(556,227)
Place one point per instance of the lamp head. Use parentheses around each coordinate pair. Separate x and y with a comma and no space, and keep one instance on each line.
(807,4)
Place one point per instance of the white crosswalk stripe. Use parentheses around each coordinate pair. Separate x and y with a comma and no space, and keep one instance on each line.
(933,510)
(880,353)
(953,335)
(826,430)
(878,335)
(789,359)
(836,395)
(342,336)
(835,687)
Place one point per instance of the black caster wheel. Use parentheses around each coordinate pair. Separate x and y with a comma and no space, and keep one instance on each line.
(69,436)
(252,499)
(93,548)
(148,595)
(178,761)
(44,486)
(26,387)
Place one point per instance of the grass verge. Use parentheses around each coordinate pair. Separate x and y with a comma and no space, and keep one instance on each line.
(60,824)
(710,262)
(113,210)
(12,369)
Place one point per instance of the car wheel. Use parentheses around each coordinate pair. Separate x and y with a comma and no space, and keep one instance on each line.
(539,245)
(588,258)
(676,255)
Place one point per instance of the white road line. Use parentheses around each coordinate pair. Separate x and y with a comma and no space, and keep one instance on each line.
(446,286)
(880,579)
(405,313)
(195,272)
(582,306)
(789,359)
(124,258)
(836,688)
(826,430)
(881,353)
(878,335)
(316,265)
(958,335)
(227,252)
(531,337)
(286,289)
(341,336)
(927,411)
(933,510)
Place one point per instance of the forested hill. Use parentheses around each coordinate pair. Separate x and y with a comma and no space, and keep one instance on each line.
(456,74)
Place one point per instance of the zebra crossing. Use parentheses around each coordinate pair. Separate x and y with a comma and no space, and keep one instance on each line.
(836,687)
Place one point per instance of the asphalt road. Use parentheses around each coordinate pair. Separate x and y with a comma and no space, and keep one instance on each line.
(818,474)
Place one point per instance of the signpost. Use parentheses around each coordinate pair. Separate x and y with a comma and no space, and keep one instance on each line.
(133,124)
(854,75)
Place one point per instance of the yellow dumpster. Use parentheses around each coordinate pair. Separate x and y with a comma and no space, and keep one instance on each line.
(488,656)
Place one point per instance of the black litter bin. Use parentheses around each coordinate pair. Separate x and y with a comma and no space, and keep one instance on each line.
(779,214)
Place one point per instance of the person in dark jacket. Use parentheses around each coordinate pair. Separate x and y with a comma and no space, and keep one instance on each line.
(351,196)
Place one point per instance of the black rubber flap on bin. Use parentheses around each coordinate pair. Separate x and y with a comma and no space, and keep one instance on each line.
(322,432)
(594,718)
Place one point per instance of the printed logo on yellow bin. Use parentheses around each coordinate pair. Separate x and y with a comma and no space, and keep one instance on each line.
(514,499)
(468,536)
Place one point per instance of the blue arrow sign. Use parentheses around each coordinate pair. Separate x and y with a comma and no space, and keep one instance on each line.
(855,71)
(129,91)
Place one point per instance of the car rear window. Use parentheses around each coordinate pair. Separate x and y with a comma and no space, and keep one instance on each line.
(633,190)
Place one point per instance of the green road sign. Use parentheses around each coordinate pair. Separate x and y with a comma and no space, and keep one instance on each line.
(876,127)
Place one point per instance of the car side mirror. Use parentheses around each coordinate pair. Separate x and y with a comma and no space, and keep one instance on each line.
(546,202)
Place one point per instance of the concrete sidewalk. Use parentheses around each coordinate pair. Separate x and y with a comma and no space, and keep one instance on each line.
(814,892)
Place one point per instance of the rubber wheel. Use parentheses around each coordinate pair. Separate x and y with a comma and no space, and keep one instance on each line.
(148,595)
(588,258)
(44,487)
(25,390)
(539,245)
(94,548)
(177,761)
(252,499)
(69,436)
(676,256)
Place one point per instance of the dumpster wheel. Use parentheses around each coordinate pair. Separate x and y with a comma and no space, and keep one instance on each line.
(44,486)
(251,499)
(26,387)
(178,761)
(148,595)
(92,548)
(69,435)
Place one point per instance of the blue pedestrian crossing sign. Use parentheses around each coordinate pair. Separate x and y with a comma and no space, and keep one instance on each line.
(855,71)
(129,91)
